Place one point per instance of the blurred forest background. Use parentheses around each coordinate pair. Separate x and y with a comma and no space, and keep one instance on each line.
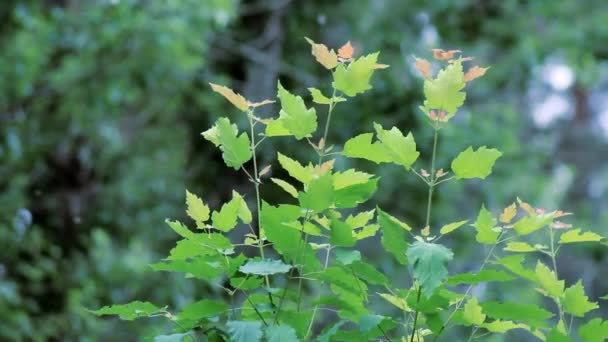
(102,103)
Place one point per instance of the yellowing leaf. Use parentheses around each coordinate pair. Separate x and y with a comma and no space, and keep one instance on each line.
(575,235)
(197,210)
(474,73)
(259,104)
(532,223)
(318,97)
(396,301)
(236,99)
(346,51)
(526,207)
(424,67)
(508,214)
(452,226)
(440,54)
(326,57)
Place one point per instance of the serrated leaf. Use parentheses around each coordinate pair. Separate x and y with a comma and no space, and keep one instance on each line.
(502,327)
(396,301)
(474,72)
(393,235)
(508,213)
(514,264)
(575,235)
(429,262)
(444,92)
(368,322)
(281,333)
(202,309)
(327,58)
(576,302)
(295,169)
(361,219)
(450,227)
(361,146)
(236,149)
(300,121)
(480,277)
(595,330)
(472,313)
(236,99)
(353,195)
(350,177)
(319,195)
(519,247)
(197,210)
(264,267)
(484,224)
(424,67)
(226,218)
(346,51)
(347,257)
(401,149)
(275,128)
(354,78)
(199,267)
(213,134)
(556,336)
(174,337)
(341,234)
(475,164)
(244,331)
(318,97)
(368,273)
(290,189)
(130,311)
(531,223)
(529,314)
(548,280)
(180,229)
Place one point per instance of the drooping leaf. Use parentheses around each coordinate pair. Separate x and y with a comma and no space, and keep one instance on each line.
(318,97)
(361,146)
(354,78)
(290,189)
(575,235)
(319,195)
(548,280)
(236,99)
(401,149)
(508,213)
(472,312)
(130,311)
(484,224)
(202,309)
(513,246)
(236,148)
(327,58)
(264,267)
(475,164)
(424,67)
(531,223)
(341,234)
(429,262)
(595,330)
(280,333)
(197,210)
(576,302)
(474,72)
(245,331)
(502,327)
(295,169)
(393,235)
(300,121)
(444,92)
(529,314)
(480,277)
(199,267)
(450,227)
(441,54)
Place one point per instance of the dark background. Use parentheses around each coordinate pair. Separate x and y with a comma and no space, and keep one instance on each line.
(102,103)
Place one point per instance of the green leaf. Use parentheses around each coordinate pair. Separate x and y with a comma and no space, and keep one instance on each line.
(245,331)
(203,309)
(531,223)
(341,234)
(318,97)
(300,121)
(361,146)
(290,189)
(264,267)
(180,229)
(319,195)
(401,150)
(130,311)
(472,313)
(595,330)
(200,267)
(430,264)
(226,219)
(295,169)
(331,331)
(393,235)
(556,336)
(484,224)
(529,314)
(502,327)
(480,277)
(347,257)
(575,235)
(236,149)
(349,178)
(368,273)
(353,195)
(249,283)
(281,333)
(197,210)
(275,128)
(514,264)
(475,164)
(174,337)
(213,134)
(575,301)
(368,322)
(519,247)
(444,92)
(354,78)
(548,280)
(450,227)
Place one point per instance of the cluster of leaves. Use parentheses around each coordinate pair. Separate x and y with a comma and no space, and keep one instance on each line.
(312,238)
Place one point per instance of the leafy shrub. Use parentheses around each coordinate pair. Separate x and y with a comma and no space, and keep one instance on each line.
(312,238)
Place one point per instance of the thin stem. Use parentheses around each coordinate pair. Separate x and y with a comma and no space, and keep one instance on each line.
(314,311)
(416,314)
(553,260)
(256,309)
(473,334)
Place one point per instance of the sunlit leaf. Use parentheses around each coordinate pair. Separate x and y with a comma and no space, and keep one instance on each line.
(484,224)
(361,146)
(236,149)
(450,227)
(290,189)
(576,302)
(401,149)
(519,247)
(300,121)
(197,210)
(508,213)
(501,327)
(595,330)
(531,223)
(472,312)
(474,72)
(295,169)
(445,91)
(475,164)
(319,195)
(393,235)
(236,99)
(548,280)
(354,78)
(575,235)
(327,58)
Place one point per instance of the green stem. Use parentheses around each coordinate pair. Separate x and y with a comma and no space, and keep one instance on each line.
(332,105)
(314,311)
(553,260)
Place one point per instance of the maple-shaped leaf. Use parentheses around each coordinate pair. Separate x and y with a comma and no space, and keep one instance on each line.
(424,67)
(393,235)
(323,55)
(475,164)
(235,98)
(361,146)
(429,262)
(236,148)
(576,302)
(575,235)
(484,225)
(595,330)
(444,92)
(441,54)
(472,312)
(300,121)
(548,280)
(130,311)
(508,213)
(474,73)
(401,149)
(346,51)
(354,78)
(226,218)
(197,210)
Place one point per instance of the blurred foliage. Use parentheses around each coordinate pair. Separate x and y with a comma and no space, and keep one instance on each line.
(102,103)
